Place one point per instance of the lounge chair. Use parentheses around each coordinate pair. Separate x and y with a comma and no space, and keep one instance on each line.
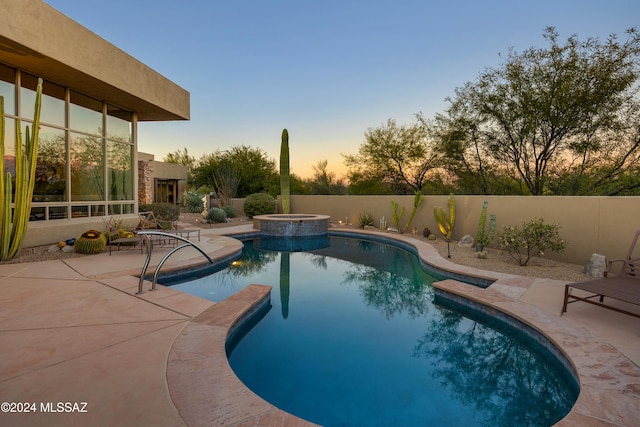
(148,221)
(114,238)
(625,286)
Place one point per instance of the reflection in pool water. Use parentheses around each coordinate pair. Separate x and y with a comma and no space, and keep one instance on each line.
(355,339)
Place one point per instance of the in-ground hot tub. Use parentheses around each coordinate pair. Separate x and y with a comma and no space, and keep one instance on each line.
(292,225)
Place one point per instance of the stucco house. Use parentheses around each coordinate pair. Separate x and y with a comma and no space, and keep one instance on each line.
(94,96)
(160,182)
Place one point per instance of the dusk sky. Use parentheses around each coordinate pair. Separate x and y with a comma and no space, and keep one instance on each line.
(327,71)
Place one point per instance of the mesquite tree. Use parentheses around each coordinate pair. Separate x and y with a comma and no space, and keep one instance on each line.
(401,155)
(547,113)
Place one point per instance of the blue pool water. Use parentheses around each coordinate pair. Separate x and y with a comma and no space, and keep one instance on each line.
(354,339)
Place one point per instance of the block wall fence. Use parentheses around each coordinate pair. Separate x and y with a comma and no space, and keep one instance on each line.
(603,225)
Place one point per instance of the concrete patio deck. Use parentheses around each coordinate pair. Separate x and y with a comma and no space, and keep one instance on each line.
(74,331)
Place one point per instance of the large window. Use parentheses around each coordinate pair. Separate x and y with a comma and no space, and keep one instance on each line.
(8,89)
(118,124)
(53,101)
(51,168)
(85,154)
(86,160)
(85,114)
(120,171)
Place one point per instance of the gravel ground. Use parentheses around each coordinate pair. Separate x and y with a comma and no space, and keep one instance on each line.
(499,261)
(495,261)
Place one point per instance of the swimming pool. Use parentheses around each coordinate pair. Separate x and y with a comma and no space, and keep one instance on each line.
(353,338)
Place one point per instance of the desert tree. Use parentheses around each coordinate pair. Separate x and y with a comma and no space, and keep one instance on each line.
(182,157)
(400,155)
(548,106)
(326,182)
(243,168)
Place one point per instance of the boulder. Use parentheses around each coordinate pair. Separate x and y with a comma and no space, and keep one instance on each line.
(596,266)
(467,241)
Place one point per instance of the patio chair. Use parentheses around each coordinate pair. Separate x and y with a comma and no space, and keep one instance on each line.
(624,286)
(148,221)
(114,235)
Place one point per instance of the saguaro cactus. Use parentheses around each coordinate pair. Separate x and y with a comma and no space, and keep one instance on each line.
(285,180)
(13,228)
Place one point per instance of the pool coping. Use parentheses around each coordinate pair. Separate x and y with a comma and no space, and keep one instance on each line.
(205,390)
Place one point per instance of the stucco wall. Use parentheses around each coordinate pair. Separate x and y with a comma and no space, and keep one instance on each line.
(162,170)
(48,232)
(603,225)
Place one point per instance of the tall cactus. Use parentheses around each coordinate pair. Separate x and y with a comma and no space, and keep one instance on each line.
(483,239)
(397,216)
(285,180)
(418,198)
(13,228)
(446,223)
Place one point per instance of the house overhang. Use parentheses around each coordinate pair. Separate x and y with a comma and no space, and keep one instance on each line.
(42,41)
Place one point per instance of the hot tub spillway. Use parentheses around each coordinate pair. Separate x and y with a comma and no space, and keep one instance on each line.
(292,232)
(292,225)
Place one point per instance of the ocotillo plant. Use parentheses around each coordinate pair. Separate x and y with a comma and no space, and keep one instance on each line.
(445,224)
(483,239)
(285,183)
(13,228)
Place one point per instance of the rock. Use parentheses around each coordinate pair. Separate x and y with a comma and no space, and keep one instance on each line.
(68,248)
(466,241)
(370,227)
(596,266)
(53,248)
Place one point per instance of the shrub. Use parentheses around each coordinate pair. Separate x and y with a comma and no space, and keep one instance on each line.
(365,219)
(533,238)
(259,204)
(164,211)
(230,211)
(118,223)
(216,215)
(90,242)
(194,203)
